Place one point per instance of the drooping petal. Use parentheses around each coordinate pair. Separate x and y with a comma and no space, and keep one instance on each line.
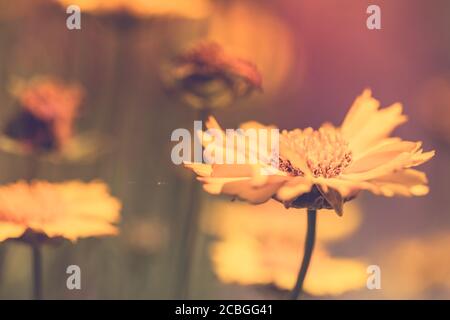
(202,169)
(234,170)
(244,188)
(346,188)
(294,188)
(406,183)
(334,198)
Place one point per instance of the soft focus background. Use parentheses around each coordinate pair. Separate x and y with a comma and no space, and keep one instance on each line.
(315,58)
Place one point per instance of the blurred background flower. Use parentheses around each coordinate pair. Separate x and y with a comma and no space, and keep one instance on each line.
(254,31)
(49,108)
(44,125)
(424,264)
(40,213)
(70,210)
(262,245)
(192,9)
(145,236)
(207,77)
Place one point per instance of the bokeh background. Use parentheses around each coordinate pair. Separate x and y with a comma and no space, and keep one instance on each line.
(315,58)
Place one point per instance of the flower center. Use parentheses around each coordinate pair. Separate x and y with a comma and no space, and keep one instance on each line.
(325,151)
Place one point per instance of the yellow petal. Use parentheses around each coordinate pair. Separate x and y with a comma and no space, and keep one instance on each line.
(346,188)
(402,161)
(234,170)
(244,188)
(407,182)
(296,159)
(359,114)
(294,188)
(203,170)
(212,123)
(10,230)
(379,126)
(365,124)
(255,125)
(381,154)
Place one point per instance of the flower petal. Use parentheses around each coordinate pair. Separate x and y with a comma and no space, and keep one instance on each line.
(334,198)
(359,114)
(366,124)
(402,161)
(296,159)
(10,230)
(346,188)
(382,153)
(245,188)
(294,188)
(406,183)
(201,169)
(380,126)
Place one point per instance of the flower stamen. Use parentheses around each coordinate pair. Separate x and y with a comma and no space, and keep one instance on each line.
(325,151)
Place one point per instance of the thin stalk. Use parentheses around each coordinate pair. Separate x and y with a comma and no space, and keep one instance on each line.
(189,235)
(37,271)
(309,247)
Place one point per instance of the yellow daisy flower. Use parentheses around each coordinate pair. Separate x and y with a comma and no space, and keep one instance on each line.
(324,168)
(69,210)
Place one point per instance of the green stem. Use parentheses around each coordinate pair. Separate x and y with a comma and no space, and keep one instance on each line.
(37,272)
(309,247)
(189,235)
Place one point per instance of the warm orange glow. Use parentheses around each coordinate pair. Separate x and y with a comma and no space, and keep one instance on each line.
(263,245)
(415,267)
(270,218)
(254,33)
(190,9)
(71,209)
